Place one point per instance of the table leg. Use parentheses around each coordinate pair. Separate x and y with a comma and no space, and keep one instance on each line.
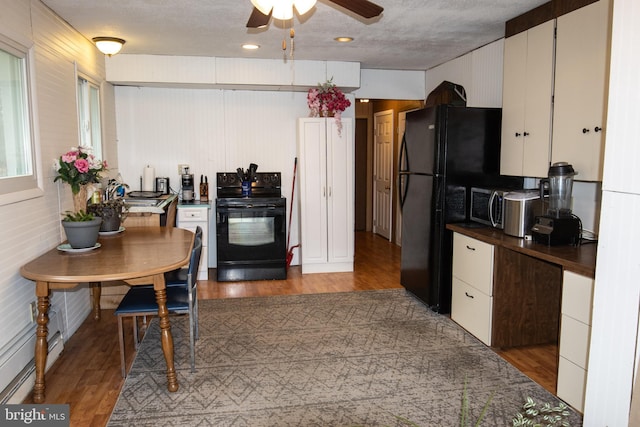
(165,331)
(96,291)
(42,292)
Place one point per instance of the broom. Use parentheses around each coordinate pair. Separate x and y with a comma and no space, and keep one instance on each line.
(293,186)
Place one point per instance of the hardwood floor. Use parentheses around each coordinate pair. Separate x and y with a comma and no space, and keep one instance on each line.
(87,374)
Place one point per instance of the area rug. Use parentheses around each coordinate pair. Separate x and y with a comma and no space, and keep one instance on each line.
(369,358)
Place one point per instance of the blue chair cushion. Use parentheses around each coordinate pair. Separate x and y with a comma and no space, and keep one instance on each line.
(143,299)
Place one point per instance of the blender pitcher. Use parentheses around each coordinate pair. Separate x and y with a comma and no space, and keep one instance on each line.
(560,183)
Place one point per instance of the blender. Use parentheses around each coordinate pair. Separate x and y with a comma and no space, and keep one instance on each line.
(559,226)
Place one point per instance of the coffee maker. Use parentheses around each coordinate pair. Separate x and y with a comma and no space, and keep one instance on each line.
(187,185)
(559,226)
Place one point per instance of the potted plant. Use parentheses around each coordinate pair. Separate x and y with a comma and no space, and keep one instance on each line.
(112,212)
(79,168)
(81,229)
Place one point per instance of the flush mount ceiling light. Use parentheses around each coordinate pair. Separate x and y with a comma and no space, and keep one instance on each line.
(108,45)
(250,46)
(344,39)
(283,9)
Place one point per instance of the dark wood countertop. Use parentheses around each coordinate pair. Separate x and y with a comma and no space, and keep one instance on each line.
(578,259)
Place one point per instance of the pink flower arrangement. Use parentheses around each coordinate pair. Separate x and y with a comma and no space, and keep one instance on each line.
(326,100)
(78,167)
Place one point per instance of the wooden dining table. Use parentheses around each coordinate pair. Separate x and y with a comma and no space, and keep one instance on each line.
(137,255)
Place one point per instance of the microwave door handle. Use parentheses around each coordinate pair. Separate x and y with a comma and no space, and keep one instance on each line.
(492,198)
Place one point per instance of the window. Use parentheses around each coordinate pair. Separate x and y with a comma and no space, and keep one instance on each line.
(89,116)
(17,171)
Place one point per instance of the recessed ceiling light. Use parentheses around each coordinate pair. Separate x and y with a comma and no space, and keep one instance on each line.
(344,39)
(250,46)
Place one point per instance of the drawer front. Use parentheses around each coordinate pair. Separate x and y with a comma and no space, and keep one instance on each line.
(471,309)
(193,214)
(577,296)
(574,341)
(572,381)
(473,262)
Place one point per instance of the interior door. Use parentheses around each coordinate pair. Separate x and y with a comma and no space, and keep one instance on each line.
(382,172)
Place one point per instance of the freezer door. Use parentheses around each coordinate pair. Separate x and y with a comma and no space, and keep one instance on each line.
(417,223)
(419,141)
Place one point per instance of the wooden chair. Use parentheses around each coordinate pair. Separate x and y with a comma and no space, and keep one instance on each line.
(182,298)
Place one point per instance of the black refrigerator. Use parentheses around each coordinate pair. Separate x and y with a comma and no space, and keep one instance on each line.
(445,150)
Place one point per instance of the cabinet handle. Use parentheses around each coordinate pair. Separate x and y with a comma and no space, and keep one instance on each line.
(470,296)
(585,130)
(470,248)
(597,129)
(526,134)
(517,134)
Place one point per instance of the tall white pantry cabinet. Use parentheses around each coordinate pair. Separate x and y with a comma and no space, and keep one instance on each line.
(326,175)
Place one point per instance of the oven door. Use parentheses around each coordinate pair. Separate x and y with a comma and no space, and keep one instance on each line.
(251,238)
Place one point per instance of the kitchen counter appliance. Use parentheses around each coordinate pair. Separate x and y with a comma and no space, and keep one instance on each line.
(250,226)
(520,209)
(559,226)
(487,206)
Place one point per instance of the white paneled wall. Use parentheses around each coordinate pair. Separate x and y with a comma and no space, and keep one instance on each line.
(479,72)
(31,227)
(211,130)
(615,343)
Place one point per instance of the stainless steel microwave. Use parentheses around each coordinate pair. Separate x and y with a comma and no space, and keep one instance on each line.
(487,206)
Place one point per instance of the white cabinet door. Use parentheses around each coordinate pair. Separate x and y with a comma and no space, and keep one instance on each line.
(582,52)
(312,162)
(575,336)
(526,102)
(340,206)
(325,161)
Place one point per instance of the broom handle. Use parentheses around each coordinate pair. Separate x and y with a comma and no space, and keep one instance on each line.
(293,186)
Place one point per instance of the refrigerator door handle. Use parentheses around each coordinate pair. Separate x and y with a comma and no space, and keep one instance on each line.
(402,189)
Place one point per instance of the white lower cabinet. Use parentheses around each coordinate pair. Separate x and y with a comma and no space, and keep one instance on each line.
(472,286)
(575,333)
(189,217)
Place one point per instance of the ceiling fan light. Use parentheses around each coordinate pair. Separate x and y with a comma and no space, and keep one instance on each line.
(282,9)
(304,6)
(108,45)
(264,6)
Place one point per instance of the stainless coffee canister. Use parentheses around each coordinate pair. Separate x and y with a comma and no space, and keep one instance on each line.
(520,209)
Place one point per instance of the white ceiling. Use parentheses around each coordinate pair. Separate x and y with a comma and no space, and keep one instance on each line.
(409,35)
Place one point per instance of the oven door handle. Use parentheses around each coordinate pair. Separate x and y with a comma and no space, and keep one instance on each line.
(245,207)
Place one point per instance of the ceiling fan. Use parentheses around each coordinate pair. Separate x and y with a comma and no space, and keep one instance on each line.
(263,10)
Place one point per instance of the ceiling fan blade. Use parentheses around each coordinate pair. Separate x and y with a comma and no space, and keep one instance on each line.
(258,19)
(364,8)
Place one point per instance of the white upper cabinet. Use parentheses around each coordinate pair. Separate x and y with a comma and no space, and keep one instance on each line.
(582,63)
(526,102)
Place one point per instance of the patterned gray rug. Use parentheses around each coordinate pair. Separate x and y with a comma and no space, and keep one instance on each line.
(342,359)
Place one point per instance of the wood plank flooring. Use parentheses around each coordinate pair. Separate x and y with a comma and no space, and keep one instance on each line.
(87,374)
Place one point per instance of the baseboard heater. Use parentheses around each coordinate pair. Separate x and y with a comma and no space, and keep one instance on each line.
(13,358)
